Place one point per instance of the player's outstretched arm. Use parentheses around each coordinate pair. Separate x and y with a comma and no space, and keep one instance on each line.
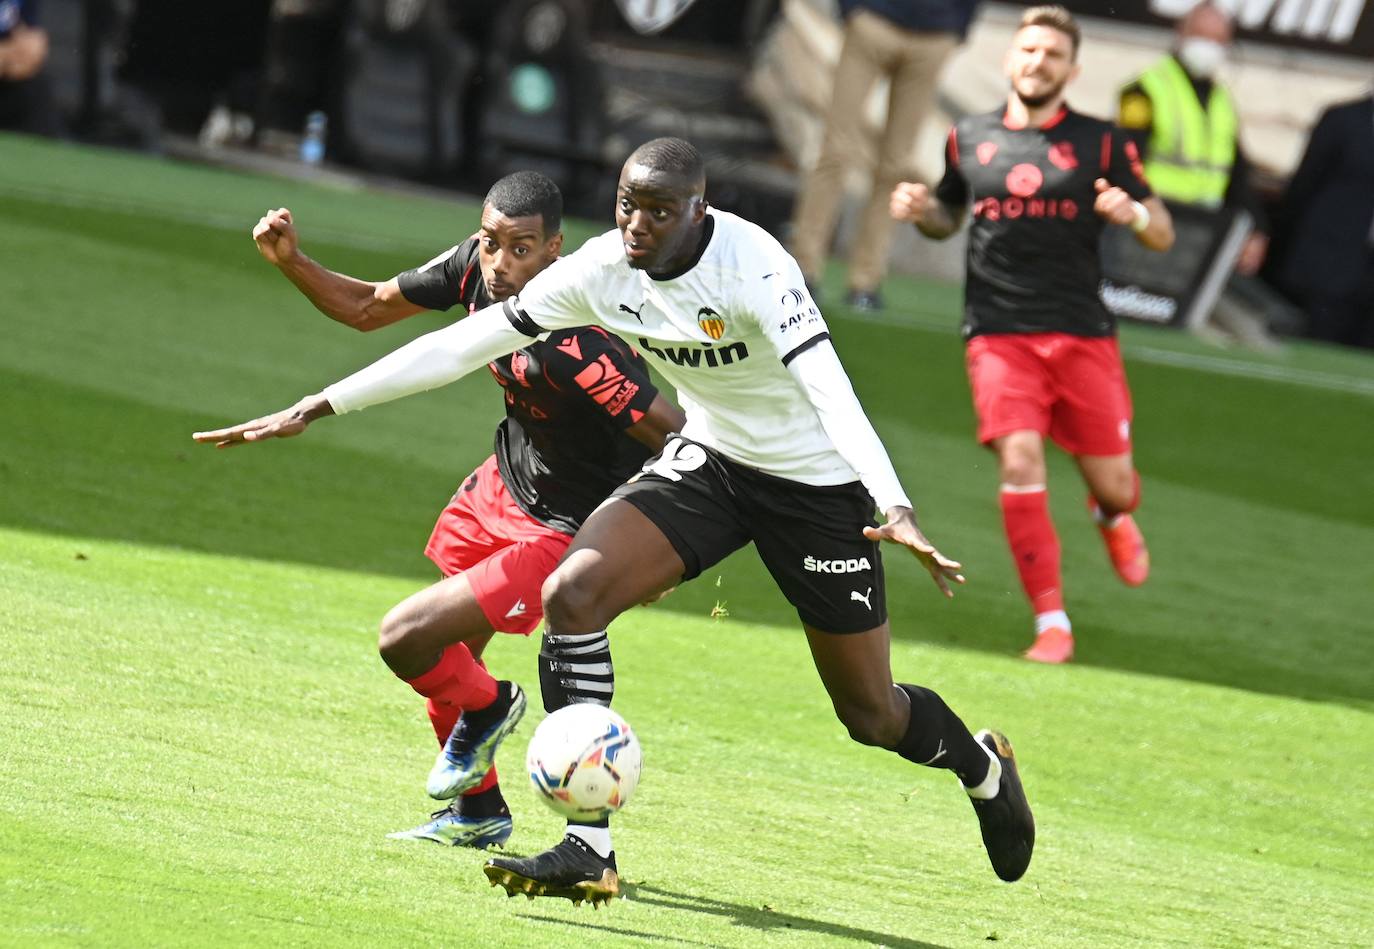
(1150,219)
(426,363)
(283,424)
(360,304)
(901,528)
(915,203)
(829,391)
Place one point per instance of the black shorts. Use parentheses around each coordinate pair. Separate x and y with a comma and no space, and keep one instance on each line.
(810,538)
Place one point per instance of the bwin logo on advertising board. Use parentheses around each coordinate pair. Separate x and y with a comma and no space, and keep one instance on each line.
(1334,21)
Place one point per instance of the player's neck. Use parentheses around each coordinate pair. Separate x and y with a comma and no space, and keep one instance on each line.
(1020,116)
(693,248)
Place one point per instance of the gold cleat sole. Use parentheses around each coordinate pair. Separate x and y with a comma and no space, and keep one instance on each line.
(594,892)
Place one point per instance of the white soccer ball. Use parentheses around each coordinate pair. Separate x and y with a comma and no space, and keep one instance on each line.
(584,761)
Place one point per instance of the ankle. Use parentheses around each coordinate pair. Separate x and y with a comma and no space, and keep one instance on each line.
(986,789)
(1052,619)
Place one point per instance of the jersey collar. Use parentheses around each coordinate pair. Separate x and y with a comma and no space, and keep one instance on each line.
(1049,123)
(707,229)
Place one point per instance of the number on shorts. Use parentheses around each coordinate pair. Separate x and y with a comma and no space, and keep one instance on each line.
(678,456)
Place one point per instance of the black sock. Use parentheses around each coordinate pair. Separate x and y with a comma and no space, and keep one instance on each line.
(478,720)
(935,737)
(488,803)
(575,669)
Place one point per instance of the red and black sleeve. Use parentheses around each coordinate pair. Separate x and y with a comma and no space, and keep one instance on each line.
(448,280)
(590,363)
(953,189)
(1122,165)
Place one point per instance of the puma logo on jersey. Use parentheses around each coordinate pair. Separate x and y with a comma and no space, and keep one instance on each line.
(634,313)
(517,610)
(851,565)
(855,595)
(703,357)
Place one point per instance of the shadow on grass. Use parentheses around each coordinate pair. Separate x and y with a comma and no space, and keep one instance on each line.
(748,917)
(86,463)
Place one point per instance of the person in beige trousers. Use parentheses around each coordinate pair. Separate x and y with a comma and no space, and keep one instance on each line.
(907,41)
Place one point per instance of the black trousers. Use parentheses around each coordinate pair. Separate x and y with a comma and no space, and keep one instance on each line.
(28,106)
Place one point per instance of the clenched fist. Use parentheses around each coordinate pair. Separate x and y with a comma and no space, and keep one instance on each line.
(275,236)
(909,202)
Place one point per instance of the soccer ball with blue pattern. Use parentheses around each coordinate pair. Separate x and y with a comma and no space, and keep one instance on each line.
(584,761)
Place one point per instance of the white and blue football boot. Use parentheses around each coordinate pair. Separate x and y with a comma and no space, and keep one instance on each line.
(457,830)
(468,754)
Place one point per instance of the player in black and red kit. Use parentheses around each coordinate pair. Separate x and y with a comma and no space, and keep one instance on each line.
(1043,181)
(581,416)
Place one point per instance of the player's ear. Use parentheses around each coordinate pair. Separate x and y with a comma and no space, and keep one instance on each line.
(553,247)
(1073,73)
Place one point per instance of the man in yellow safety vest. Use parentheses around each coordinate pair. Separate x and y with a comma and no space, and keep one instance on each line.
(1185,123)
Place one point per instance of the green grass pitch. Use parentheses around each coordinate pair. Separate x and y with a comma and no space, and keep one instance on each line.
(199,746)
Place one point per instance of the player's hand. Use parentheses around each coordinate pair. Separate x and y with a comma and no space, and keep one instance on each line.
(1113,205)
(1252,255)
(283,424)
(901,529)
(909,202)
(275,236)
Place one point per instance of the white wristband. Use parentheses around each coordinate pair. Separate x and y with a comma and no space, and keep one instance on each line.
(1142,217)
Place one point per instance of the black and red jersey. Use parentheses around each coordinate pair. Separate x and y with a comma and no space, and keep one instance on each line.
(562,447)
(1033,264)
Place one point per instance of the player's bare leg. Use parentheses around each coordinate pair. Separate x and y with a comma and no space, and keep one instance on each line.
(619,559)
(1114,492)
(416,631)
(1024,499)
(917,724)
(433,640)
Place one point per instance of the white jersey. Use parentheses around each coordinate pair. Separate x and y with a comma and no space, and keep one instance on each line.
(722,332)
(735,331)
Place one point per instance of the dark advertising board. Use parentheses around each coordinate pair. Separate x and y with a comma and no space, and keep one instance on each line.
(1177,288)
(1332,26)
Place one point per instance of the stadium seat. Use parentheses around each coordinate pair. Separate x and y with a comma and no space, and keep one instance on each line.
(406,76)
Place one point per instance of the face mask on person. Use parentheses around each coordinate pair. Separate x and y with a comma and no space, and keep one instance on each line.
(1201,57)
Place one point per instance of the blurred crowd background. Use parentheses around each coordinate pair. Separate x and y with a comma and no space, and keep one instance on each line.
(806,109)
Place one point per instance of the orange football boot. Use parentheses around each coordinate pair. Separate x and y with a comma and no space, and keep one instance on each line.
(1125,547)
(1053,646)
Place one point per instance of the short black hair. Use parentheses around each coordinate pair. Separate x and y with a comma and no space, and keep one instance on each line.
(675,156)
(527,194)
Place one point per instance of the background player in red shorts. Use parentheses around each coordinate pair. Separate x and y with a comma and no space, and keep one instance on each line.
(571,400)
(1042,355)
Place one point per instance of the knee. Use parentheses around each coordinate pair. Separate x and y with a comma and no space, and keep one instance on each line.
(571,604)
(1022,467)
(869,724)
(1119,493)
(397,627)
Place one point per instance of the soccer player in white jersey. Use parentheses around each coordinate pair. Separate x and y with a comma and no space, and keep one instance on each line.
(776,450)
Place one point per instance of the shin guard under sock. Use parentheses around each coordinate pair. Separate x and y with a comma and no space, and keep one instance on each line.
(937,738)
(1034,545)
(575,669)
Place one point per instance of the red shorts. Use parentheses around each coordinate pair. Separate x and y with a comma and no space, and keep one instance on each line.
(505,554)
(1069,388)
